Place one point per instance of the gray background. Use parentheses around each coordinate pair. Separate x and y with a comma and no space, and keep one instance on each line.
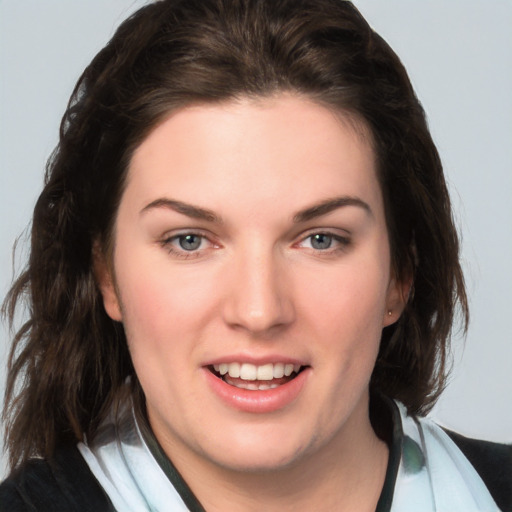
(459,56)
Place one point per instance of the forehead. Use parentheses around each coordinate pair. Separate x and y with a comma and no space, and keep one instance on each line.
(256,148)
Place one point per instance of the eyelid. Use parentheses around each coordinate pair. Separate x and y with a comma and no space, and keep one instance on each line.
(334,232)
(183,231)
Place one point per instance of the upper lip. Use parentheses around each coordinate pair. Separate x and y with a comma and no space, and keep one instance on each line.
(255,360)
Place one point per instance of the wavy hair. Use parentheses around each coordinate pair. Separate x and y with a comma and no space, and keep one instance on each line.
(69,360)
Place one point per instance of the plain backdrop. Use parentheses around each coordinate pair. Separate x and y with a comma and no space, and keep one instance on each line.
(459,56)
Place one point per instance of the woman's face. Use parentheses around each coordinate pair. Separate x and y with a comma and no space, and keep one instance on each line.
(251,240)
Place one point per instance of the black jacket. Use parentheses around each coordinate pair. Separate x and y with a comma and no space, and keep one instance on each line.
(65,483)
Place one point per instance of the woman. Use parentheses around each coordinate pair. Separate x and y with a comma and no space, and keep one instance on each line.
(243,278)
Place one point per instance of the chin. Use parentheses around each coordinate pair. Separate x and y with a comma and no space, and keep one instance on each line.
(258,453)
(263,463)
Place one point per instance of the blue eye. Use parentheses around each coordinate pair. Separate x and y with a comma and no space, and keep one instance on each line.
(321,241)
(188,245)
(189,242)
(325,243)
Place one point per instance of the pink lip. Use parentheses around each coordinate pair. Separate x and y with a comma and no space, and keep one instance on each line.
(265,401)
(258,361)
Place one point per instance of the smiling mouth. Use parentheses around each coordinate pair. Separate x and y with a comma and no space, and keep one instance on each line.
(256,377)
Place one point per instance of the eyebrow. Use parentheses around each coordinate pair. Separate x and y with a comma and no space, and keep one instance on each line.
(327,206)
(312,212)
(189,210)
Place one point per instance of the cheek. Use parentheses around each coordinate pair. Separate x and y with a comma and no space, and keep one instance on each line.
(345,311)
(352,295)
(159,325)
(161,304)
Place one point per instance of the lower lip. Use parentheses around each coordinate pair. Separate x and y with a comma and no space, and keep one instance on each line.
(257,401)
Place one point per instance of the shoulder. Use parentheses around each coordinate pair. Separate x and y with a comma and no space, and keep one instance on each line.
(460,473)
(493,462)
(63,483)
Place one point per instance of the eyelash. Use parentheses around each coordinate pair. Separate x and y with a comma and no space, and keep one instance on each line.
(341,243)
(167,243)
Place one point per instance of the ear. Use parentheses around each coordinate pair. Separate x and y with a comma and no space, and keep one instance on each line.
(106,283)
(396,300)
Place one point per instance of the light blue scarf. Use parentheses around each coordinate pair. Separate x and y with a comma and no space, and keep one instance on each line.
(433,475)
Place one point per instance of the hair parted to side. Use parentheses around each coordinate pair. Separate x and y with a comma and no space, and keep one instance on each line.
(69,360)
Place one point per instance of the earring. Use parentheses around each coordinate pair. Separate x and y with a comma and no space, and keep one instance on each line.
(390,313)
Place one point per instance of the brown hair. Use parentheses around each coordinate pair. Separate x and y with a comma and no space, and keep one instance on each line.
(69,359)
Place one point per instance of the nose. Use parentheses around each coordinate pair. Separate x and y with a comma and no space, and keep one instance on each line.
(259,296)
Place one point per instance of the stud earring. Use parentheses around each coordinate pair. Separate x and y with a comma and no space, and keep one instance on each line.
(390,313)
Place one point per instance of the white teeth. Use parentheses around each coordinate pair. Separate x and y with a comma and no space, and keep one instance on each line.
(265,372)
(253,386)
(278,370)
(234,370)
(248,371)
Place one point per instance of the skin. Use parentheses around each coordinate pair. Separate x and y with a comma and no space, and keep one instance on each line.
(258,287)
